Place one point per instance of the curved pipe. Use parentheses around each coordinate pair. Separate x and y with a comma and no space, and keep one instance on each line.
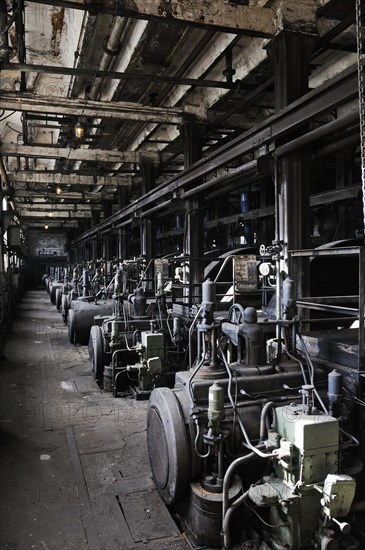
(247,442)
(227,512)
(227,519)
(265,410)
(226,484)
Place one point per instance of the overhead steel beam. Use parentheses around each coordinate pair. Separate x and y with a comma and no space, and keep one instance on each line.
(220,15)
(58,178)
(39,194)
(335,195)
(90,172)
(37,224)
(121,110)
(47,208)
(91,155)
(29,213)
(335,92)
(114,75)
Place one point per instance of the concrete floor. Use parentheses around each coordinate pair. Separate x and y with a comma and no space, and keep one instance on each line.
(74,471)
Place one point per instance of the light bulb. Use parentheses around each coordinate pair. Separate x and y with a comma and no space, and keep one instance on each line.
(79,130)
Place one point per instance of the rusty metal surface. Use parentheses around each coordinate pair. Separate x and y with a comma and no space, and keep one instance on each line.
(338,347)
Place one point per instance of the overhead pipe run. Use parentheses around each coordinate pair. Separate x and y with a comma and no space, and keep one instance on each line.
(328,96)
(318,133)
(257,167)
(244,169)
(340,145)
(248,167)
(156,208)
(112,47)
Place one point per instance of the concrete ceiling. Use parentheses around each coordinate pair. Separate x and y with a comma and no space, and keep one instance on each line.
(131,77)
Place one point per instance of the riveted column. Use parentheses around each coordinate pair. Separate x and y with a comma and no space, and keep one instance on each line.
(193,133)
(148,223)
(95,216)
(107,206)
(292,49)
(122,233)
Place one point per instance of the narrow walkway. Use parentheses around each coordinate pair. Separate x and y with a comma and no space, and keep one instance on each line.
(74,467)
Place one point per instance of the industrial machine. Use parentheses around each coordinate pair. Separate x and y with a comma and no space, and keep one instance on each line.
(83,309)
(131,349)
(251,451)
(54,282)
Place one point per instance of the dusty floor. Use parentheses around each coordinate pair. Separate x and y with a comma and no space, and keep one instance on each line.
(74,466)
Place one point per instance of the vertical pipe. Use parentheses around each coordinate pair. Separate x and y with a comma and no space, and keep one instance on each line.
(278,266)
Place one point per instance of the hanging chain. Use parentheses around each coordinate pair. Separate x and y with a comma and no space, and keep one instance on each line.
(360,34)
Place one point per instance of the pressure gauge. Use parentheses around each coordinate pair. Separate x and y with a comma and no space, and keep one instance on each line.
(265,269)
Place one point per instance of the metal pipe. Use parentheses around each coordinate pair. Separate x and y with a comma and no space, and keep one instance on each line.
(190,337)
(329,95)
(340,145)
(226,483)
(277,261)
(110,51)
(116,352)
(265,410)
(250,178)
(316,134)
(156,208)
(248,167)
(223,266)
(247,442)
(227,518)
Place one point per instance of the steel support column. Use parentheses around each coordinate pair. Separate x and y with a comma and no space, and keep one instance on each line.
(192,134)
(148,223)
(293,51)
(122,195)
(95,220)
(107,206)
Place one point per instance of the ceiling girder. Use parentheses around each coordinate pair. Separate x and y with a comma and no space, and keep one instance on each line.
(335,92)
(120,110)
(36,224)
(221,15)
(29,213)
(48,208)
(37,196)
(58,178)
(66,153)
(114,75)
